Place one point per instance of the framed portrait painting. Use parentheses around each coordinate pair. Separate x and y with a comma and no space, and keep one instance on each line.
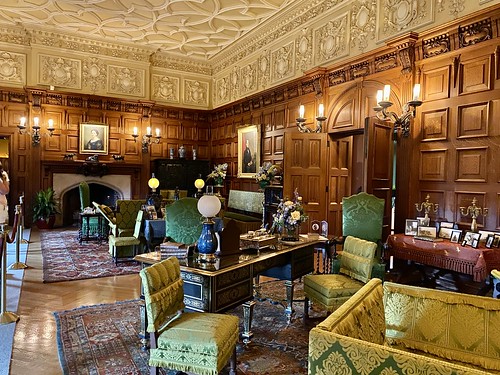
(94,138)
(248,151)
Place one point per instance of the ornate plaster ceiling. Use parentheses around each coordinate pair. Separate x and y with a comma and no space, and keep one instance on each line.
(197,29)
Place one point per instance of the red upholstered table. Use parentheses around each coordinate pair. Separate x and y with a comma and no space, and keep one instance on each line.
(446,255)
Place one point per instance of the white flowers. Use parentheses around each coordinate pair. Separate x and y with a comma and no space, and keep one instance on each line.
(219,172)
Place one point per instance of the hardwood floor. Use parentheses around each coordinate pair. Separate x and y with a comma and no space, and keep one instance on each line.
(35,348)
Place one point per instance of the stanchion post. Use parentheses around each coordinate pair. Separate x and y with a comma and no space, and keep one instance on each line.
(18,265)
(5,316)
(21,220)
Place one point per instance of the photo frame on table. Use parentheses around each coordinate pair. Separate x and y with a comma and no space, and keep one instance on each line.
(248,151)
(470,238)
(423,231)
(489,241)
(445,233)
(424,222)
(447,224)
(411,227)
(496,240)
(475,243)
(455,236)
(94,138)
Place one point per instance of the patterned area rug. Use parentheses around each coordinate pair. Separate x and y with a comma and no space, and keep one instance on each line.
(65,259)
(104,339)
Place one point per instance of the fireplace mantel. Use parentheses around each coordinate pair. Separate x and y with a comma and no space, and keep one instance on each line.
(91,168)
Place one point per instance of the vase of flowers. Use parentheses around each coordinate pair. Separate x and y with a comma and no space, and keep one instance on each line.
(267,174)
(288,218)
(218,175)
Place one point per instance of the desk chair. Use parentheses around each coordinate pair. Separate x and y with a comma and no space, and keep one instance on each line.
(183,221)
(93,222)
(133,241)
(200,343)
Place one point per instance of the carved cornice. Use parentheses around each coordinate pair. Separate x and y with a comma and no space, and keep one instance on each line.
(436,46)
(474,33)
(163,60)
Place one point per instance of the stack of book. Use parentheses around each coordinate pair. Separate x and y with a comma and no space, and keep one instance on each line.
(173,249)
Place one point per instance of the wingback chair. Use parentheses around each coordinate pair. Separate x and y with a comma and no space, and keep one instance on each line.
(126,212)
(183,221)
(200,343)
(129,242)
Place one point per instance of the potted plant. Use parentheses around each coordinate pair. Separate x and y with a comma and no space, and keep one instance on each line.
(45,208)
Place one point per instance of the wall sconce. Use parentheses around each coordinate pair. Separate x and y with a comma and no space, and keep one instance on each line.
(409,109)
(320,119)
(35,133)
(147,138)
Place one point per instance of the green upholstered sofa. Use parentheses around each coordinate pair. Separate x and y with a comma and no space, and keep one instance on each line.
(245,208)
(400,329)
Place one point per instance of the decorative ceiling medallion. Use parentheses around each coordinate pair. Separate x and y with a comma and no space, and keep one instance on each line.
(12,67)
(195,92)
(58,71)
(331,40)
(166,88)
(127,81)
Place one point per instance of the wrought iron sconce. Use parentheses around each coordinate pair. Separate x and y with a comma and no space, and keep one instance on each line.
(473,211)
(402,122)
(320,119)
(36,137)
(427,207)
(147,138)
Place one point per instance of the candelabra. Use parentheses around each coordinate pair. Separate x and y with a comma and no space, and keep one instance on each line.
(427,207)
(35,133)
(473,211)
(147,138)
(409,109)
(320,119)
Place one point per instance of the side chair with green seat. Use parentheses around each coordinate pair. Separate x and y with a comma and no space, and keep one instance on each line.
(126,212)
(109,215)
(183,221)
(93,222)
(194,342)
(134,241)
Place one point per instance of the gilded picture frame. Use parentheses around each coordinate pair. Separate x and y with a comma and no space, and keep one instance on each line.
(94,138)
(248,151)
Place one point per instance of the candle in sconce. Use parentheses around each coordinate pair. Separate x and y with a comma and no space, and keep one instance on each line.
(380,94)
(416,92)
(157,132)
(391,262)
(50,124)
(148,130)
(35,121)
(135,130)
(387,92)
(321,110)
(22,122)
(302,111)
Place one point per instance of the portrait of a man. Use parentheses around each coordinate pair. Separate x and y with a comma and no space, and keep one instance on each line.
(248,151)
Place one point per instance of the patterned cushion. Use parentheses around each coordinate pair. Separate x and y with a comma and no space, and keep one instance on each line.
(362,216)
(126,212)
(184,221)
(450,325)
(330,291)
(357,258)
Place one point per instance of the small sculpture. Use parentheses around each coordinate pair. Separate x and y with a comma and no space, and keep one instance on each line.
(118,157)
(474,211)
(182,152)
(69,156)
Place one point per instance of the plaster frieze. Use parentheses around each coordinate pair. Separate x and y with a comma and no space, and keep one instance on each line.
(15,35)
(128,81)
(59,71)
(331,40)
(282,62)
(304,50)
(12,68)
(362,28)
(249,78)
(265,69)
(166,88)
(94,74)
(162,60)
(195,92)
(398,15)
(222,91)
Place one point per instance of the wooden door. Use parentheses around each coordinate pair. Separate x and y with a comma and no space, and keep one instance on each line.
(305,165)
(379,160)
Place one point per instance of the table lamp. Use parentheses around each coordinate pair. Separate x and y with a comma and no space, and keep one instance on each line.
(209,206)
(199,184)
(154,199)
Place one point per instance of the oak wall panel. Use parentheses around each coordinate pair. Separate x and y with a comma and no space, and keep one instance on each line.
(433,165)
(472,164)
(473,120)
(435,125)
(436,83)
(474,75)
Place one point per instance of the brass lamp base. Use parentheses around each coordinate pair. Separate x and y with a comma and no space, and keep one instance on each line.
(208,258)
(8,317)
(18,266)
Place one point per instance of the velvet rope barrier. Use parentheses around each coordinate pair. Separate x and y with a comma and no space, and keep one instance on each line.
(16,231)
(5,316)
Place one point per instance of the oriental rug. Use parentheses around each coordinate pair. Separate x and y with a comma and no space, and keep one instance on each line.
(64,259)
(104,339)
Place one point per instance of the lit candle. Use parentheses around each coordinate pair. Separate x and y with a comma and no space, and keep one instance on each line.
(158,132)
(416,92)
(387,92)
(50,124)
(35,121)
(148,130)
(302,111)
(380,93)
(135,130)
(22,122)
(391,262)
(321,110)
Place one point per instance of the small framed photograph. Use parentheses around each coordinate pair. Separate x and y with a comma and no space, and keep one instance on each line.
(430,232)
(489,241)
(446,224)
(455,236)
(424,222)
(484,235)
(470,237)
(445,232)
(411,227)
(496,240)
(475,243)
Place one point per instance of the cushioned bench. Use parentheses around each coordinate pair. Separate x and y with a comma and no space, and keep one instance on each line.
(245,208)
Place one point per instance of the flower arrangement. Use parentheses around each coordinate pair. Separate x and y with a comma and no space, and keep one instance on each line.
(289,215)
(267,172)
(218,174)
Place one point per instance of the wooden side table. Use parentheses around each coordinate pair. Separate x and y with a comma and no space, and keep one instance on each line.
(99,236)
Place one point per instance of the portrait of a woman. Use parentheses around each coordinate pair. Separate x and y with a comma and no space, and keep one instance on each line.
(94,143)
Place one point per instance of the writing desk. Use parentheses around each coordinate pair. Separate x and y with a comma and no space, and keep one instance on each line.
(220,286)
(446,255)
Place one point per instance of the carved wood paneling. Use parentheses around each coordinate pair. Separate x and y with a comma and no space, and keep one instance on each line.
(228,147)
(497,221)
(114,120)
(472,164)
(131,147)
(473,120)
(172,130)
(279,118)
(435,83)
(475,75)
(73,119)
(72,143)
(267,146)
(433,165)
(51,143)
(435,125)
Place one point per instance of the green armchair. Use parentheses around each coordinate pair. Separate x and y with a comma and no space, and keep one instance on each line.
(183,221)
(128,242)
(200,343)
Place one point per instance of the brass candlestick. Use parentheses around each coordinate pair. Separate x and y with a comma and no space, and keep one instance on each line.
(427,207)
(473,211)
